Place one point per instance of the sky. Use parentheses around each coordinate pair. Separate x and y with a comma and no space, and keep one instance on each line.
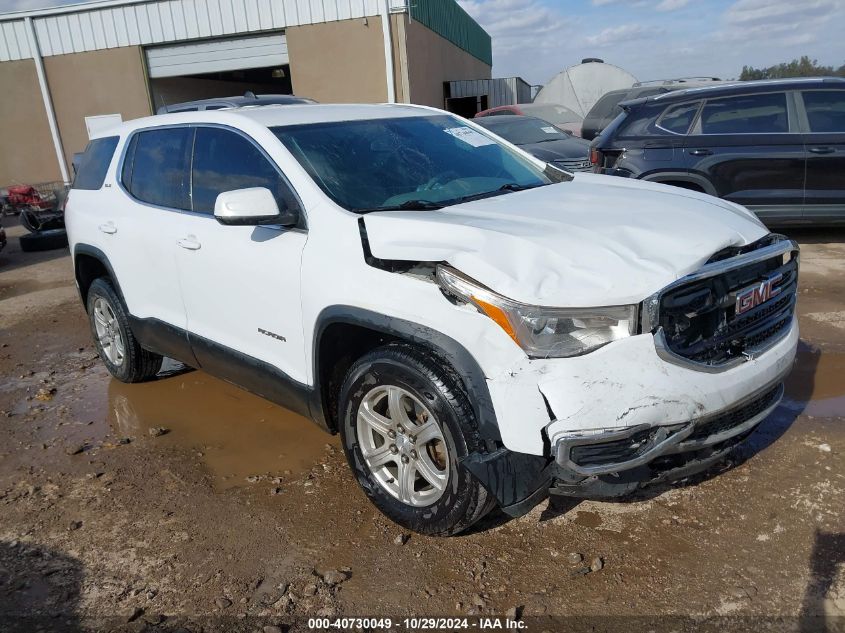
(658,39)
(652,39)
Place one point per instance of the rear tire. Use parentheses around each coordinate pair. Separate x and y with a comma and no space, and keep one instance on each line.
(43,240)
(406,423)
(121,353)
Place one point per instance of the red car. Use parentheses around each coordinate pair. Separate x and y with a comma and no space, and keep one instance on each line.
(560,116)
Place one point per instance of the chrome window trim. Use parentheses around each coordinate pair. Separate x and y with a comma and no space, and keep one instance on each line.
(790,116)
(118,174)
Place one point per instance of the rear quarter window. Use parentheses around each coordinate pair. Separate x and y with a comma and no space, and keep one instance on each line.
(641,121)
(677,119)
(94,163)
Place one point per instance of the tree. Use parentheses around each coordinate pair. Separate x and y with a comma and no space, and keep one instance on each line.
(804,67)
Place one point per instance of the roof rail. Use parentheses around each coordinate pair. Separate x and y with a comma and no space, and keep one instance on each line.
(669,82)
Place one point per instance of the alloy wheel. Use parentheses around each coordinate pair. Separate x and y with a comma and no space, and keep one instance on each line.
(403,445)
(108,332)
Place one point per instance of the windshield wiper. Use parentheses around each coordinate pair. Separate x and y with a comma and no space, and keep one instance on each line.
(505,188)
(514,186)
(408,205)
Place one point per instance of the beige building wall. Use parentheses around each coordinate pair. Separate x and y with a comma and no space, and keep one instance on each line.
(433,59)
(98,82)
(26,147)
(338,62)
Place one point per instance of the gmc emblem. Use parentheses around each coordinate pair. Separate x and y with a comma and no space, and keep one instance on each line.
(753,296)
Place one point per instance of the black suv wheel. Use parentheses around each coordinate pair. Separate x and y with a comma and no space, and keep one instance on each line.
(406,423)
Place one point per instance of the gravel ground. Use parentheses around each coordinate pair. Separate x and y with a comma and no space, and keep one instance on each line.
(188,504)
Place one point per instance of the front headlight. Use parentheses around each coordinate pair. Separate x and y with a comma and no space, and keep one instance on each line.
(541,331)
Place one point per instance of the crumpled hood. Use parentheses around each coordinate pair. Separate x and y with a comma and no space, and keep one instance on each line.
(597,240)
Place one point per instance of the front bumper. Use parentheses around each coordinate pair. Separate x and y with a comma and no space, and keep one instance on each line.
(621,418)
(611,452)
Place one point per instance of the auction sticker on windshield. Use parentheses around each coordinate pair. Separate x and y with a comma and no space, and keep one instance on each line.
(468,135)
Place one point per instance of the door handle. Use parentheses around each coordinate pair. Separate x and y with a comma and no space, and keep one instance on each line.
(701,152)
(190,243)
(108,228)
(822,150)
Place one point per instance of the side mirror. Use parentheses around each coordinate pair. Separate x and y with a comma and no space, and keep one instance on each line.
(251,207)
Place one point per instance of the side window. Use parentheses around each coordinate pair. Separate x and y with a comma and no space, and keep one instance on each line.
(155,169)
(223,161)
(825,110)
(94,163)
(677,119)
(746,114)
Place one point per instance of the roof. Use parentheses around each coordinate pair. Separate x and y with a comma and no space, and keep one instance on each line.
(735,87)
(278,115)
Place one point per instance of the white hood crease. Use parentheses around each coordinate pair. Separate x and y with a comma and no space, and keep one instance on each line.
(594,241)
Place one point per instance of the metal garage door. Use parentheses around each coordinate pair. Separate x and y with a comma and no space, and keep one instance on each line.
(236,53)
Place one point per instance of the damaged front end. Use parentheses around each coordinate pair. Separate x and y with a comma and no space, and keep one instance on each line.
(706,369)
(616,463)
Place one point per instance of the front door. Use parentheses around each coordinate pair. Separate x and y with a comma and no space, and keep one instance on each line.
(750,149)
(825,146)
(241,284)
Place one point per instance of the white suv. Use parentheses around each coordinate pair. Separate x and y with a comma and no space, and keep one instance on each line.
(481,328)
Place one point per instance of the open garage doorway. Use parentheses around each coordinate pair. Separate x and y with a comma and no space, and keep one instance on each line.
(218,68)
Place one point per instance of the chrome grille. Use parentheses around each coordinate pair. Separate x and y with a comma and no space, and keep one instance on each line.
(700,319)
(578,164)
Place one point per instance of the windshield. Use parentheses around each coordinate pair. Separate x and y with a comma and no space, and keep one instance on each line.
(408,162)
(556,114)
(524,131)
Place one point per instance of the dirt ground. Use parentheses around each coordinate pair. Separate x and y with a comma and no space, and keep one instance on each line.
(186,504)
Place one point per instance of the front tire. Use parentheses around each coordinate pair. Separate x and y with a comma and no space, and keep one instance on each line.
(406,423)
(121,353)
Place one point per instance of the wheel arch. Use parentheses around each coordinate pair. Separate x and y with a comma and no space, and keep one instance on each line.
(90,263)
(344,333)
(670,177)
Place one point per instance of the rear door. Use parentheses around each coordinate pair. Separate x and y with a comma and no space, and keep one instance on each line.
(825,145)
(144,226)
(749,147)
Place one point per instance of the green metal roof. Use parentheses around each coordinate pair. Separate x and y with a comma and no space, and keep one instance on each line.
(449,20)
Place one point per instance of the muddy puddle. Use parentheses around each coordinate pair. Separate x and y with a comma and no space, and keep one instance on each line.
(236,434)
(816,386)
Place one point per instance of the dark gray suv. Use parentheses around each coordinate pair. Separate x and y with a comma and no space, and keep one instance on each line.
(776,147)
